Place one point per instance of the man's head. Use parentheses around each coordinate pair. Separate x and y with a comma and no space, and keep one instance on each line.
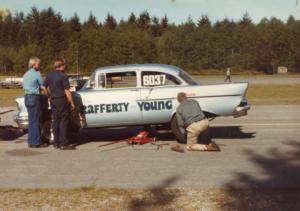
(181,96)
(34,62)
(59,64)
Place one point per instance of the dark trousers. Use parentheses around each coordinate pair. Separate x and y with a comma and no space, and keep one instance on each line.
(228,78)
(60,111)
(32,103)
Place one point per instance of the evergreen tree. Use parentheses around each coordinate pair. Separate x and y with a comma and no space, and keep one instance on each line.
(132,19)
(155,27)
(92,21)
(204,21)
(164,22)
(143,21)
(110,22)
(74,23)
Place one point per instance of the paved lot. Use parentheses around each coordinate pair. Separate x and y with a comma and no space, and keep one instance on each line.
(259,150)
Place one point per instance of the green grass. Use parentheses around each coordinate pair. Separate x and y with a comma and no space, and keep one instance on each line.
(274,94)
(8,96)
(256,95)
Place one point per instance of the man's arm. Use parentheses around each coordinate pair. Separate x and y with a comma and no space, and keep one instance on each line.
(45,91)
(68,94)
(70,98)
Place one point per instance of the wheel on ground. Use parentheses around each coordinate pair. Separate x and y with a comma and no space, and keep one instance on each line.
(180,137)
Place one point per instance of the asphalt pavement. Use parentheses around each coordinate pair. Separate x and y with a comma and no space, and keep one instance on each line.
(258,150)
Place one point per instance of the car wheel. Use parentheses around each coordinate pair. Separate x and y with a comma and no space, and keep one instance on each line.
(175,130)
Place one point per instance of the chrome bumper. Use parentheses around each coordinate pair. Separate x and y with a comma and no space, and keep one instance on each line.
(241,111)
(22,121)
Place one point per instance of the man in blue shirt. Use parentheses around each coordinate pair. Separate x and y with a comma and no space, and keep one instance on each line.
(32,83)
(61,103)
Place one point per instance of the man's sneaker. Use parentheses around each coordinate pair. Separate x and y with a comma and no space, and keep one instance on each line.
(212,146)
(177,148)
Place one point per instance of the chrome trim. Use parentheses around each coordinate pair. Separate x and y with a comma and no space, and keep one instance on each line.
(241,111)
(22,121)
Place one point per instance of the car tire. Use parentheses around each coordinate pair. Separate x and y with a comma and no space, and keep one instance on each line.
(180,137)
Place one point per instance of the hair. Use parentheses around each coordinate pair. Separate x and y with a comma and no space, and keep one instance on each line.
(32,61)
(59,62)
(181,96)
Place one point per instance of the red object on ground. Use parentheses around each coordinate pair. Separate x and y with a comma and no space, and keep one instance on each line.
(140,139)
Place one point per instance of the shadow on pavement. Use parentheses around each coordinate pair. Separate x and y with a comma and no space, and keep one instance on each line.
(9,132)
(107,134)
(159,196)
(229,132)
(23,152)
(278,189)
(116,134)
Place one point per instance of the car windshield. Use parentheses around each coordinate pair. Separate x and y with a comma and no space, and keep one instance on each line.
(187,78)
(89,83)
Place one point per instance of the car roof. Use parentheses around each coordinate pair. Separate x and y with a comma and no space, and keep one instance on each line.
(141,67)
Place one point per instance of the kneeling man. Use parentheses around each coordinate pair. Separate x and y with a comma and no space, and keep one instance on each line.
(191,118)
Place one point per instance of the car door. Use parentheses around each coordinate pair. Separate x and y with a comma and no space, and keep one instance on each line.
(158,96)
(113,101)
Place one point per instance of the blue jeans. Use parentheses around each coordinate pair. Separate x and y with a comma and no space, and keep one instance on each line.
(32,103)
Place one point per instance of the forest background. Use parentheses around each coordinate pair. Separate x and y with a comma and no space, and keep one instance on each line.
(198,47)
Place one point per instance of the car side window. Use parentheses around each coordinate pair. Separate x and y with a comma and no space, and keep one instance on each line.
(121,80)
(152,78)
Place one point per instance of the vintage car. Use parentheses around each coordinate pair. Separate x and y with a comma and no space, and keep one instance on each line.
(145,94)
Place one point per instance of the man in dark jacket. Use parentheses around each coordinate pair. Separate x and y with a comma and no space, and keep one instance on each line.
(191,118)
(61,103)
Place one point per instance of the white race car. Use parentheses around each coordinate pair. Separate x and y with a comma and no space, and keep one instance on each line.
(144,94)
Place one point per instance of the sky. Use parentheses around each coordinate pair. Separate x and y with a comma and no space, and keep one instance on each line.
(177,11)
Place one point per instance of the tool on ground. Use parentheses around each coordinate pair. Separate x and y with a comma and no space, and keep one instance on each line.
(140,139)
(4,112)
(7,111)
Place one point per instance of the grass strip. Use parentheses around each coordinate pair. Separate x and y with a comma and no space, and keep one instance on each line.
(157,198)
(274,94)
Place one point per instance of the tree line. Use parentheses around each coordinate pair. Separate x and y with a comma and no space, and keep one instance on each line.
(199,45)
